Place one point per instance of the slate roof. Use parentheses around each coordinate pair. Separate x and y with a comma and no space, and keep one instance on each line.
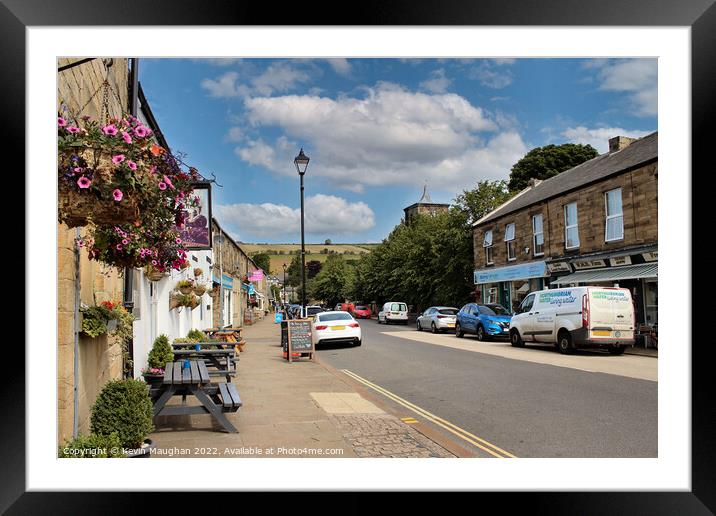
(639,152)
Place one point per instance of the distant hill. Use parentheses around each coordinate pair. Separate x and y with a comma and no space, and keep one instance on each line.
(283,253)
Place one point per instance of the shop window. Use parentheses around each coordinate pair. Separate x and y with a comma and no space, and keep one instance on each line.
(571,229)
(651,302)
(537,235)
(615,219)
(510,241)
(487,245)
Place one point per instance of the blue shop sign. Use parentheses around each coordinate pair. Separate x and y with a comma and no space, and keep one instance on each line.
(512,273)
(228,281)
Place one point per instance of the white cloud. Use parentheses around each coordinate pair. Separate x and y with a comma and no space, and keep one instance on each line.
(598,137)
(219,61)
(235,134)
(390,136)
(492,73)
(278,77)
(438,82)
(324,214)
(638,78)
(340,65)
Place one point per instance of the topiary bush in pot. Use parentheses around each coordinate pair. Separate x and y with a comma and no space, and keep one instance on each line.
(124,407)
(161,353)
(92,446)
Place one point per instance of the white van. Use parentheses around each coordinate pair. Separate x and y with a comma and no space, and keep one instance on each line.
(393,312)
(577,317)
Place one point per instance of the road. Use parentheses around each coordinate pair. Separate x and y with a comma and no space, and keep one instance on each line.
(530,402)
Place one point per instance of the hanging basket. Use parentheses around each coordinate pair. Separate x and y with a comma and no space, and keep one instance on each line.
(174,303)
(153,274)
(78,208)
(200,290)
(194,302)
(186,290)
(198,272)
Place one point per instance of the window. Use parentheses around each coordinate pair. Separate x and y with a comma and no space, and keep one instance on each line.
(344,316)
(537,235)
(615,219)
(398,307)
(571,231)
(510,240)
(487,244)
(527,303)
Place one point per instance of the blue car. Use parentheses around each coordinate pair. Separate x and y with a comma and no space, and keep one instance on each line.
(486,321)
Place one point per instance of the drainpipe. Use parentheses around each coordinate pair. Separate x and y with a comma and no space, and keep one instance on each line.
(76,371)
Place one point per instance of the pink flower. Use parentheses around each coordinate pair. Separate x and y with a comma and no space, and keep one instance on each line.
(83,182)
(125,241)
(132,165)
(154,262)
(153,169)
(110,129)
(73,130)
(77,170)
(61,121)
(140,131)
(119,247)
(117,194)
(80,242)
(119,158)
(162,186)
(167,181)
(126,137)
(178,240)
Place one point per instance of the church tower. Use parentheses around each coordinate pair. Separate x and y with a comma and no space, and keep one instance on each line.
(425,206)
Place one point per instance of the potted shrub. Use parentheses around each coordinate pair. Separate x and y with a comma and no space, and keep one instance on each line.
(123,407)
(160,354)
(197,336)
(185,286)
(92,446)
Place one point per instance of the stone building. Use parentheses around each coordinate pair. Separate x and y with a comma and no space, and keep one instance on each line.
(80,280)
(424,206)
(595,224)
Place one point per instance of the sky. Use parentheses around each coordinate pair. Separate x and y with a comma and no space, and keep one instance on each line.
(376,130)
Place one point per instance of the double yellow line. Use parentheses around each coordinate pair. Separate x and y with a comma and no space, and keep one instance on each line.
(484,445)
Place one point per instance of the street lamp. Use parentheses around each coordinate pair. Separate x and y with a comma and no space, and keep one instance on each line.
(219,239)
(301,162)
(284,283)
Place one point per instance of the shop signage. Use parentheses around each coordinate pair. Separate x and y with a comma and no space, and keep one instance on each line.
(559,267)
(511,273)
(196,228)
(650,257)
(228,281)
(589,264)
(298,338)
(257,275)
(620,260)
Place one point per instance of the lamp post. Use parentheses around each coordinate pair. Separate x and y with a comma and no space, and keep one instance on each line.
(301,162)
(219,238)
(284,283)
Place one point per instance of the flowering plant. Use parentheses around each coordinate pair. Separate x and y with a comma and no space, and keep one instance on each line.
(119,164)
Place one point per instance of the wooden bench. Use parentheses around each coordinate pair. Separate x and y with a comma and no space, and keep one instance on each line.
(230,397)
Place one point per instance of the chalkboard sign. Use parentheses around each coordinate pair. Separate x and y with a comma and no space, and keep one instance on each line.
(300,338)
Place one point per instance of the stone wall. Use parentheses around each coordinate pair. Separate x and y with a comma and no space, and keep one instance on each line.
(99,359)
(639,208)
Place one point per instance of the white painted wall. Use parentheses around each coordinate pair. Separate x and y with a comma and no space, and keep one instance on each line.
(151,300)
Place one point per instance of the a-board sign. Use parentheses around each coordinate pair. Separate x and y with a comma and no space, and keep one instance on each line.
(299,338)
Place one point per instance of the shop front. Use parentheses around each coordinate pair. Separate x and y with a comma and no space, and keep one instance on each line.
(508,286)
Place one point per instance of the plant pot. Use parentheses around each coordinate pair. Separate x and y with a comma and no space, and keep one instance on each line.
(77,208)
(153,274)
(144,452)
(198,272)
(152,379)
(174,303)
(186,290)
(199,291)
(194,302)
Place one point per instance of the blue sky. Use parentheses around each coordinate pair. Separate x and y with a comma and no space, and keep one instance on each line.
(377,129)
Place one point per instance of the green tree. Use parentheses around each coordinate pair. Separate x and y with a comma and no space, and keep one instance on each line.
(329,285)
(262,261)
(482,199)
(313,267)
(548,161)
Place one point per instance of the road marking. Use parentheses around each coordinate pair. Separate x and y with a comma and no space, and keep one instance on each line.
(409,420)
(484,445)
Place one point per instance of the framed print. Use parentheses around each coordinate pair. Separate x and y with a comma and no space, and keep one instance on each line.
(674,472)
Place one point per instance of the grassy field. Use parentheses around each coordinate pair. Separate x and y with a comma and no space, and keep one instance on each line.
(280,253)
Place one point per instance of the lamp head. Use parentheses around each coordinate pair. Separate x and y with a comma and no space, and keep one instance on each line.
(301,162)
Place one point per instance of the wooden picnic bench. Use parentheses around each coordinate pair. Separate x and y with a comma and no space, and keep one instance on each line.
(216,399)
(222,361)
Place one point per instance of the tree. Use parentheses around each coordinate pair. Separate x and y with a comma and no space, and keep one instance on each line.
(328,241)
(481,200)
(329,285)
(313,267)
(262,261)
(548,161)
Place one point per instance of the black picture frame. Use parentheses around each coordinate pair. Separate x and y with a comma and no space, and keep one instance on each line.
(699,15)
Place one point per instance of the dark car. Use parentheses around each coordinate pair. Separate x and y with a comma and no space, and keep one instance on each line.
(486,321)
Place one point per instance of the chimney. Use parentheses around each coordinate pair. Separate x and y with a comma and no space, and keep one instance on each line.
(620,142)
(534,182)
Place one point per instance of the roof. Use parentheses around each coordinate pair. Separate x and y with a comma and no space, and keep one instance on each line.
(640,152)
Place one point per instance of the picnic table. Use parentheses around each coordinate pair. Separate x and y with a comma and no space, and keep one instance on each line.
(222,360)
(216,399)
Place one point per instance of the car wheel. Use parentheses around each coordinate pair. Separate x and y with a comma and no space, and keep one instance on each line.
(481,333)
(564,343)
(434,328)
(418,326)
(516,340)
(616,350)
(358,343)
(458,331)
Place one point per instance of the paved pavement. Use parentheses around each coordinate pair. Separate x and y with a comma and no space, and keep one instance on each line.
(499,401)
(299,409)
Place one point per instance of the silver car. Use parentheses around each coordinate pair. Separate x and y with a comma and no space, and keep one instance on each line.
(438,319)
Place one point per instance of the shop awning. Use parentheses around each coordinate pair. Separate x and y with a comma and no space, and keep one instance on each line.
(644,270)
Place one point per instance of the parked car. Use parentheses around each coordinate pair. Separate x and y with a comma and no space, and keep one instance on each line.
(393,312)
(336,326)
(577,317)
(361,312)
(486,321)
(337,308)
(437,318)
(312,310)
